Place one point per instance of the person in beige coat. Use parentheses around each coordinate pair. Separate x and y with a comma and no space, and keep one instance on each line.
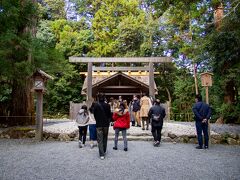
(145,104)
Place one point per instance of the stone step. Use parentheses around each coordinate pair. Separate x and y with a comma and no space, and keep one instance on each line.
(140,138)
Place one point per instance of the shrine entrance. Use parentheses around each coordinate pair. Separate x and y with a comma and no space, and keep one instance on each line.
(119,84)
(115,81)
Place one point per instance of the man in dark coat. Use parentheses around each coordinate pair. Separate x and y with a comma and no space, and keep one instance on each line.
(202,113)
(156,114)
(102,114)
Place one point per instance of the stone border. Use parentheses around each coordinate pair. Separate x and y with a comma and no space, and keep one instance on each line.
(28,132)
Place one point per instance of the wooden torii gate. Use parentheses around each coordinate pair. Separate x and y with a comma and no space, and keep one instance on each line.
(91,60)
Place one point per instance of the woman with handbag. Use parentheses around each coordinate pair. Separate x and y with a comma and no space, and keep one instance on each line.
(82,123)
(121,123)
(156,114)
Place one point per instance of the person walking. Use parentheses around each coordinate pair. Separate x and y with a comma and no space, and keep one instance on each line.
(82,123)
(121,123)
(132,118)
(113,105)
(145,104)
(136,108)
(156,114)
(92,127)
(120,100)
(102,115)
(202,113)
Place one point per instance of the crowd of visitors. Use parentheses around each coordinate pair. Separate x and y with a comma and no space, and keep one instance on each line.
(140,112)
(117,113)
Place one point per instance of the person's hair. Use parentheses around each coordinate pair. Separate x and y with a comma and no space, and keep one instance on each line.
(91,109)
(157,102)
(125,104)
(84,107)
(198,97)
(101,97)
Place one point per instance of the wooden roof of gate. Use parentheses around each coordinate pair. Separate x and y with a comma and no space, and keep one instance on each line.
(74,59)
(98,80)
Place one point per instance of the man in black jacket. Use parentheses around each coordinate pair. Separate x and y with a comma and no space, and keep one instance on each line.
(156,114)
(102,114)
(202,113)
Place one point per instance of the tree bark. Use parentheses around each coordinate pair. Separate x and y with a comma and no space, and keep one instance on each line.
(230,93)
(218,16)
(20,106)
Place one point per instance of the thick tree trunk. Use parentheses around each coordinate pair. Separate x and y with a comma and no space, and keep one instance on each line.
(218,16)
(21,106)
(230,93)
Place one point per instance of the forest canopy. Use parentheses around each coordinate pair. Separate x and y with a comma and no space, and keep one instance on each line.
(200,36)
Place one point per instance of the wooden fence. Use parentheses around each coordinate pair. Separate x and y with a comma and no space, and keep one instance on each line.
(74,108)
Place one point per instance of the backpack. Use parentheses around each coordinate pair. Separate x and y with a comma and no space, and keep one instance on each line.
(156,117)
(82,117)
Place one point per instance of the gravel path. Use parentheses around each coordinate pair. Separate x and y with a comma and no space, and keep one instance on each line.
(178,128)
(29,160)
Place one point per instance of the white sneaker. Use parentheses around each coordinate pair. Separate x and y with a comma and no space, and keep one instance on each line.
(80,144)
(102,157)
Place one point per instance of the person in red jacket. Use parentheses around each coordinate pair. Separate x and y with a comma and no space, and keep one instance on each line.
(121,120)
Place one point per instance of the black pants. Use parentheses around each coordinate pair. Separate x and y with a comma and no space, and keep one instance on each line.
(202,128)
(102,137)
(156,132)
(82,133)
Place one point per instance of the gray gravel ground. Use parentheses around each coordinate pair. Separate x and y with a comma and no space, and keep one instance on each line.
(29,160)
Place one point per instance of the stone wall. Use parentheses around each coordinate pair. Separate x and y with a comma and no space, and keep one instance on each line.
(27,132)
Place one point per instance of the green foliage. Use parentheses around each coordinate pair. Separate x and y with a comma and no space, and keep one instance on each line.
(15,43)
(131,35)
(181,29)
(70,39)
(223,49)
(117,28)
(65,88)
(45,34)
(230,112)
(165,81)
(5,92)
(21,53)
(52,9)
(184,92)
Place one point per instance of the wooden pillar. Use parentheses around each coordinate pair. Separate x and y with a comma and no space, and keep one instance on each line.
(209,128)
(195,78)
(207,98)
(89,84)
(151,80)
(39,116)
